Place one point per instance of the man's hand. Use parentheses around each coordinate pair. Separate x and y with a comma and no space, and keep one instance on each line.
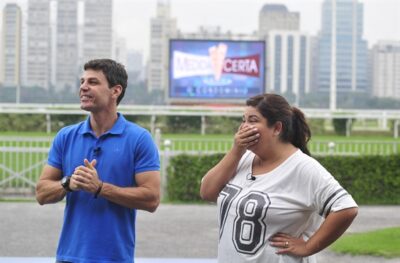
(86,177)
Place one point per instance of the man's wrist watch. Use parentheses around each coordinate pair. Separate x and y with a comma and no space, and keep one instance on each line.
(65,183)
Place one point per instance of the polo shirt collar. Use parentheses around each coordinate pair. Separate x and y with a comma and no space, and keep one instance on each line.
(117,128)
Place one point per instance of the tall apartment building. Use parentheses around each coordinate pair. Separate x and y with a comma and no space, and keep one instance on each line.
(119,51)
(10,74)
(351,51)
(67,45)
(386,69)
(97,31)
(134,61)
(134,65)
(289,59)
(276,17)
(39,44)
(163,27)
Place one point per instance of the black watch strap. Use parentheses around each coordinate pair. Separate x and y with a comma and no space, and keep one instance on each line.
(65,183)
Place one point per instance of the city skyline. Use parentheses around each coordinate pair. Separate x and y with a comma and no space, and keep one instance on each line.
(132,17)
(376,26)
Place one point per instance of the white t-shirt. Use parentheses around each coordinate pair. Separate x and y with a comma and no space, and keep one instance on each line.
(293,199)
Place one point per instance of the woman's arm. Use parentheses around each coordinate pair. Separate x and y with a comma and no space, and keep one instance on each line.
(331,229)
(218,176)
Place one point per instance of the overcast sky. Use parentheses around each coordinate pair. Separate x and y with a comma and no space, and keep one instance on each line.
(132,17)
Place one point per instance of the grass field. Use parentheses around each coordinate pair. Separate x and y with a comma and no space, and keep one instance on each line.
(224,136)
(371,144)
(22,152)
(26,152)
(354,145)
(384,243)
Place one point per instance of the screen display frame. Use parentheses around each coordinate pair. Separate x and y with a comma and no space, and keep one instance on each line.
(233,81)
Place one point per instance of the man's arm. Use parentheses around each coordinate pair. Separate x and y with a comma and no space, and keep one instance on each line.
(48,188)
(145,196)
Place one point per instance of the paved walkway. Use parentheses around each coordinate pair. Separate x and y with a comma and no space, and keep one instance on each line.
(137,260)
(173,232)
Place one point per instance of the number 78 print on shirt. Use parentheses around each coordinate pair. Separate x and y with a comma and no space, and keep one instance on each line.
(249,226)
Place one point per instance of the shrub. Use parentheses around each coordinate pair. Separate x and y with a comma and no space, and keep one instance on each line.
(339,126)
(369,179)
(185,173)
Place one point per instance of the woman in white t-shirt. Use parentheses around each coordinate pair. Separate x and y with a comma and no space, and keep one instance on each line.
(276,203)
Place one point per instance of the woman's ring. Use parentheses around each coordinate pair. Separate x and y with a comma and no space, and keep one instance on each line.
(286,244)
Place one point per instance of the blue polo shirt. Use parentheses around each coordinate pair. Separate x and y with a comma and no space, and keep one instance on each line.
(97,230)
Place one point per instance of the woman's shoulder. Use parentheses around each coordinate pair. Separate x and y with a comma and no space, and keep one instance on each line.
(246,161)
(247,157)
(308,164)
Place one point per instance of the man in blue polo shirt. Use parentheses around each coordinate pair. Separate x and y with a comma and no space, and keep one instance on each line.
(106,167)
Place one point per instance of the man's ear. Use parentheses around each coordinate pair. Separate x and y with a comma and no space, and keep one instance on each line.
(116,91)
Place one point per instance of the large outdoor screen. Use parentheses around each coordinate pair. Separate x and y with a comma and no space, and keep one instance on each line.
(216,69)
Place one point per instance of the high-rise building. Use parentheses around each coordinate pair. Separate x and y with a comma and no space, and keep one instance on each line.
(134,61)
(97,31)
(67,45)
(11,44)
(163,27)
(120,50)
(134,66)
(276,17)
(289,60)
(347,72)
(386,69)
(39,44)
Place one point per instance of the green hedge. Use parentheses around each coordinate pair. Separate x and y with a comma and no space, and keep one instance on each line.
(369,179)
(22,122)
(185,173)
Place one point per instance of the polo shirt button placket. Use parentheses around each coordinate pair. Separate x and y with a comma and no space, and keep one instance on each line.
(96,150)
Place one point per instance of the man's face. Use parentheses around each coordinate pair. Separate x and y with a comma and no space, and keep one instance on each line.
(94,92)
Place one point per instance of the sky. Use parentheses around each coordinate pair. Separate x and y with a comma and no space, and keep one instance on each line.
(381,17)
(132,17)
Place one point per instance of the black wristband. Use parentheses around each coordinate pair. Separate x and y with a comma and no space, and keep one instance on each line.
(98,189)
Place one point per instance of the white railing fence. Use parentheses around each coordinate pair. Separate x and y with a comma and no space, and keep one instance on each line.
(317,148)
(22,158)
(21,161)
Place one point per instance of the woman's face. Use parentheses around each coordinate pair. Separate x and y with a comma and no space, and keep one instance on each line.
(252,117)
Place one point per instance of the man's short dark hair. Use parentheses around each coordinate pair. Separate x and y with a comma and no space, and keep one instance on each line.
(114,72)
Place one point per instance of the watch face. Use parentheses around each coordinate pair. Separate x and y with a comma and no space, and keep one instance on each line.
(64,180)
